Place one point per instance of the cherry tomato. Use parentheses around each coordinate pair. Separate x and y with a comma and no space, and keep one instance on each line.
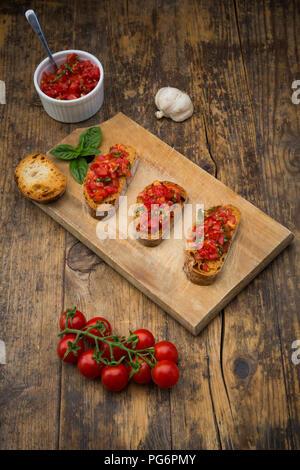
(165,350)
(63,346)
(115,378)
(117,352)
(88,366)
(143,376)
(165,374)
(76,319)
(94,331)
(146,339)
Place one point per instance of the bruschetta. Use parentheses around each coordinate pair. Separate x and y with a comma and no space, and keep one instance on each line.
(209,242)
(159,204)
(108,178)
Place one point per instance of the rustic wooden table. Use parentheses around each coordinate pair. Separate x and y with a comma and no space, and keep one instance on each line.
(239,387)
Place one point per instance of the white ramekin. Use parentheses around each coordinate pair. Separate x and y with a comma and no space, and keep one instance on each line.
(70,110)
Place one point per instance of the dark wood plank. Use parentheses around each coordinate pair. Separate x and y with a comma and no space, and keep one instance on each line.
(269,35)
(131,63)
(32,248)
(248,327)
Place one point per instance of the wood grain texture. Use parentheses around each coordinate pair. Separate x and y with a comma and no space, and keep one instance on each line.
(238,387)
(29,293)
(158,272)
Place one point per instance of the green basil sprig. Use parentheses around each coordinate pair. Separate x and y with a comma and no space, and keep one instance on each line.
(88,144)
(78,168)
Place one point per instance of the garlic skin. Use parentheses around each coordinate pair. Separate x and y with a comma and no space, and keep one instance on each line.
(174,104)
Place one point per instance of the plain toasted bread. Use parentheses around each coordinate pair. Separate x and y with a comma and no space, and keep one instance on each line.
(147,239)
(39,179)
(191,267)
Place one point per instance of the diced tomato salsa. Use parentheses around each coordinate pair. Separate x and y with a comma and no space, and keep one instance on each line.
(102,178)
(219,224)
(74,79)
(157,200)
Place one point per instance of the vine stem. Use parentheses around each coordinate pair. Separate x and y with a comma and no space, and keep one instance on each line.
(142,353)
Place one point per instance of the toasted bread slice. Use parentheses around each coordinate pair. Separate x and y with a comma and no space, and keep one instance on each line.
(148,239)
(99,211)
(39,179)
(192,267)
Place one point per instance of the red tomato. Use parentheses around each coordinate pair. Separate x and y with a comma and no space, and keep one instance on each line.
(94,331)
(117,352)
(63,346)
(143,376)
(115,378)
(160,195)
(76,319)
(88,366)
(165,350)
(205,267)
(146,339)
(218,227)
(165,374)
(73,79)
(104,173)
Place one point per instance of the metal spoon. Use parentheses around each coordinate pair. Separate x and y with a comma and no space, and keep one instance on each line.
(34,23)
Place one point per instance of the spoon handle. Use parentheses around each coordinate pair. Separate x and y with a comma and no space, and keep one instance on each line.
(34,23)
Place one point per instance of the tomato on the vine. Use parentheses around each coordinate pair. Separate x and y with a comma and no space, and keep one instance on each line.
(165,350)
(146,339)
(115,378)
(94,331)
(165,374)
(88,366)
(63,346)
(114,358)
(76,319)
(143,376)
(117,352)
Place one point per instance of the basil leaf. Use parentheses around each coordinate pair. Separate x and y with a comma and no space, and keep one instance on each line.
(86,152)
(58,76)
(79,168)
(67,66)
(65,152)
(212,208)
(90,138)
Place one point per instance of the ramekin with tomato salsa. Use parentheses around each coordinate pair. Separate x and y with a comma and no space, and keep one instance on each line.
(75,91)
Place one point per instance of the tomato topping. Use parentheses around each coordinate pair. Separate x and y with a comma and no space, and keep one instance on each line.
(157,200)
(218,225)
(103,176)
(73,79)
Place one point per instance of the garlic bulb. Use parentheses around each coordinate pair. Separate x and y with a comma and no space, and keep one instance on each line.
(173,103)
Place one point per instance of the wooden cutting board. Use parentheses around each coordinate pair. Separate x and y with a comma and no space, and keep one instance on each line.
(158,271)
